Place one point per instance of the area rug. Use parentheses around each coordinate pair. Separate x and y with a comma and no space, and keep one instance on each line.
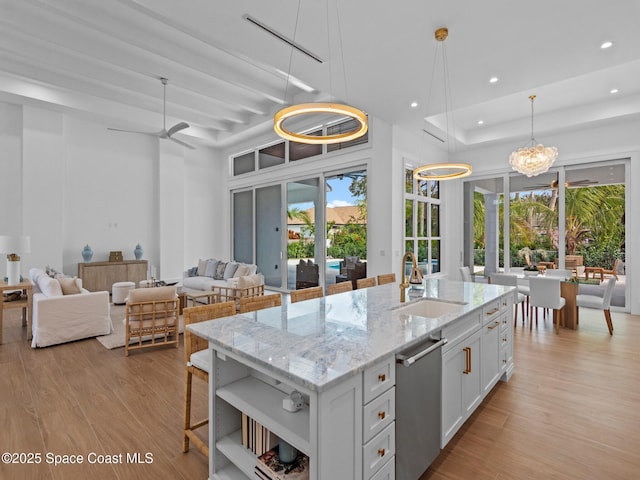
(116,338)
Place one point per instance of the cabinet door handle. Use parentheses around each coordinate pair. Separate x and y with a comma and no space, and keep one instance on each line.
(467,354)
(381,415)
(493,311)
(381,452)
(495,324)
(382,377)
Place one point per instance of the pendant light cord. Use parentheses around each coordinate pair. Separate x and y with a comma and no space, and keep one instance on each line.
(295,31)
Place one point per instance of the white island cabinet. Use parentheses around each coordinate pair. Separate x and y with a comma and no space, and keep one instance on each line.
(339,352)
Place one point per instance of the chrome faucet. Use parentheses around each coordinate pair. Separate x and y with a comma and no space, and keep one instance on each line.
(415,277)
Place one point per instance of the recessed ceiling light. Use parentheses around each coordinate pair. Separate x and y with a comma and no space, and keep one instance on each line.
(493,80)
(414,104)
(480,122)
(606,44)
(613,90)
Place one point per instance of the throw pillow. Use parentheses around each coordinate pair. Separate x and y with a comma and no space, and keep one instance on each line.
(210,271)
(243,269)
(49,286)
(229,270)
(220,271)
(202,266)
(70,286)
(192,272)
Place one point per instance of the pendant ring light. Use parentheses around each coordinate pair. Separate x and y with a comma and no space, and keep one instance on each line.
(309,108)
(443,171)
(301,109)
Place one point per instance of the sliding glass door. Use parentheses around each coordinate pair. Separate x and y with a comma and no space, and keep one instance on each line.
(291,228)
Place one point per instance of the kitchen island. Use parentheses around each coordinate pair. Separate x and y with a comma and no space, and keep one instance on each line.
(339,353)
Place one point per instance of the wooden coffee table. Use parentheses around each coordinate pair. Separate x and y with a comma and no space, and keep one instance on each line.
(593,271)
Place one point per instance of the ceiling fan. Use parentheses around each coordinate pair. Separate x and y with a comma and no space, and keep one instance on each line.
(164,133)
(554,184)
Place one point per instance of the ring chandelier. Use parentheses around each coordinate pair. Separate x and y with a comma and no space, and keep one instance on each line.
(312,108)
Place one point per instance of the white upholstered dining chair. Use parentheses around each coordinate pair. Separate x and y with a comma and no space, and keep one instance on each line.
(601,303)
(465,272)
(545,293)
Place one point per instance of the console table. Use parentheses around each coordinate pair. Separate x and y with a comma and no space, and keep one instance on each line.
(100,276)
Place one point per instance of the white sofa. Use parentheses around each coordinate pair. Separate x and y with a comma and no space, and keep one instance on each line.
(60,317)
(229,280)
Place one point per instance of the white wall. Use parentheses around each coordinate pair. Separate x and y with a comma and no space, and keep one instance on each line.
(72,182)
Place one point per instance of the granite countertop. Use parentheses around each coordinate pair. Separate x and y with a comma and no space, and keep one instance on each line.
(318,342)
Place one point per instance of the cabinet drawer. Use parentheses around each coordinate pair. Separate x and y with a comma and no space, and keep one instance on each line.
(378,451)
(379,378)
(505,321)
(379,413)
(388,472)
(461,328)
(490,310)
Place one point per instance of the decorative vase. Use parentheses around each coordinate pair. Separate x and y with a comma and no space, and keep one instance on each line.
(87,253)
(138,252)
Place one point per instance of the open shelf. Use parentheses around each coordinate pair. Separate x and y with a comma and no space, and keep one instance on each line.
(232,448)
(263,403)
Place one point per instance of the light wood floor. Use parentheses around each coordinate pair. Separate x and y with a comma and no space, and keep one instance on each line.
(570,411)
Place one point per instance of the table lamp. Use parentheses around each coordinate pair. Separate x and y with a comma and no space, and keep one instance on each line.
(12,246)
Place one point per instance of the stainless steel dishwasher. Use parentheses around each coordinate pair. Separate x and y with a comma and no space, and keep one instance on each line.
(418,408)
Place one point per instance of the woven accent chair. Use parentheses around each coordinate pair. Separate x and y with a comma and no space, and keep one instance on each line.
(197,361)
(366,282)
(151,318)
(306,294)
(251,304)
(386,278)
(339,287)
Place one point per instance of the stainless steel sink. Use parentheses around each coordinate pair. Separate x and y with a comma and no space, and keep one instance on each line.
(430,308)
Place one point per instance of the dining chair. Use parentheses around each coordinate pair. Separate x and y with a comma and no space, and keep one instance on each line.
(258,302)
(197,362)
(366,282)
(545,293)
(510,281)
(601,303)
(386,278)
(465,272)
(339,287)
(306,294)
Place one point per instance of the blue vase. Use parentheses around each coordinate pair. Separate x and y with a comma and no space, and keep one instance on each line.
(138,252)
(87,253)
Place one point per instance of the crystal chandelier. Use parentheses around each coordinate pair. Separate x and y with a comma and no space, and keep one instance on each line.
(535,159)
(443,171)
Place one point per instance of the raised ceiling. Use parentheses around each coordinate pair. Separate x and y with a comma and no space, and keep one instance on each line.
(102,60)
